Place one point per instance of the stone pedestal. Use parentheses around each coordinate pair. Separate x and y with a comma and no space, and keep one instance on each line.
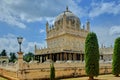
(20,66)
(20,60)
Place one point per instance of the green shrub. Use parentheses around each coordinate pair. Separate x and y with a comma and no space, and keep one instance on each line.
(91,55)
(116,58)
(52,71)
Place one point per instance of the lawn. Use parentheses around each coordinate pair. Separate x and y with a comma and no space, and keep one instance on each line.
(2,78)
(100,77)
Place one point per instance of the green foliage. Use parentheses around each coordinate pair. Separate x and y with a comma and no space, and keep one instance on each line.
(92,55)
(3,53)
(52,72)
(28,57)
(13,57)
(116,57)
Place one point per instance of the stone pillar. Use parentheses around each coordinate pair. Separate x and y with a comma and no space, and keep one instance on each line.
(70,56)
(65,56)
(80,57)
(42,58)
(74,56)
(46,57)
(39,58)
(58,56)
(20,60)
(20,72)
(61,56)
(51,56)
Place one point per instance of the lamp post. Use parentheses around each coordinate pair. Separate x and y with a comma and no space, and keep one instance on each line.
(20,72)
(19,39)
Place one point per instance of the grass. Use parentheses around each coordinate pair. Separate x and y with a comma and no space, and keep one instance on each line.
(2,78)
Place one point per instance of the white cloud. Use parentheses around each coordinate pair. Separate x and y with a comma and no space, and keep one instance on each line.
(42,30)
(104,7)
(7,16)
(114,30)
(50,20)
(30,46)
(10,44)
(15,12)
(103,36)
(78,1)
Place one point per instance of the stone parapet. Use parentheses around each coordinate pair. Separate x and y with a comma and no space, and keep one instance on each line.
(42,70)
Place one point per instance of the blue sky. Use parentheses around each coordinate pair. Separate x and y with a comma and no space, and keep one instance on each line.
(27,18)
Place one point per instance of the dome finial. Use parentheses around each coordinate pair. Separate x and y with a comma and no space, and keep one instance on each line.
(66,8)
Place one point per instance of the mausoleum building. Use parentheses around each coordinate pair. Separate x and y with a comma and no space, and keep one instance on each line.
(65,39)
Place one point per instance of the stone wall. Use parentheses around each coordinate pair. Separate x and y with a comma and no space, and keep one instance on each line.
(32,71)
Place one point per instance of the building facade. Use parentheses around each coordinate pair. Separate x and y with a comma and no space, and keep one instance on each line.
(106,53)
(65,39)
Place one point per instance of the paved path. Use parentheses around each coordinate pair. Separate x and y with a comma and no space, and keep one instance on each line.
(100,77)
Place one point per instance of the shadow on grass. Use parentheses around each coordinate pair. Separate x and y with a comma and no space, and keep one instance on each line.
(116,76)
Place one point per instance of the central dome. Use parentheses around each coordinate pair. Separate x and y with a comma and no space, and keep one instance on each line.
(69,15)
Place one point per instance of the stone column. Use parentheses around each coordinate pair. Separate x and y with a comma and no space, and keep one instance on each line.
(74,56)
(20,71)
(51,56)
(20,60)
(42,58)
(70,56)
(65,56)
(80,57)
(46,57)
(57,56)
(61,56)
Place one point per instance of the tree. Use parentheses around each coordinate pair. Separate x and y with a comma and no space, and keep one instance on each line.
(13,57)
(91,55)
(116,58)
(4,53)
(52,71)
(28,57)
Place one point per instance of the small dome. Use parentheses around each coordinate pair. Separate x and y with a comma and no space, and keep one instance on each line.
(69,15)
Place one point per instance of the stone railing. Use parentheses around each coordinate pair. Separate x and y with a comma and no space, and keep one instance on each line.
(9,70)
(9,66)
(33,70)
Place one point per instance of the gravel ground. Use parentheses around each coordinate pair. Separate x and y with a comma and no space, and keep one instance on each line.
(100,77)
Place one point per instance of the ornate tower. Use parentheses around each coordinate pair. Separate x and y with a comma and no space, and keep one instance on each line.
(88,25)
(47,27)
